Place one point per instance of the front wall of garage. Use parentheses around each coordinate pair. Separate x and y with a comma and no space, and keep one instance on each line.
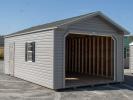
(93,26)
(89,55)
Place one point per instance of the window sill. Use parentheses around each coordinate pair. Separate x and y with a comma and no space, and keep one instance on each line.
(29,61)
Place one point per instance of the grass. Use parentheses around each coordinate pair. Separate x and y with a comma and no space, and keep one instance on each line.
(1,53)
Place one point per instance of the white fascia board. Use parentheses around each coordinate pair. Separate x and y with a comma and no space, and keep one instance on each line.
(45,29)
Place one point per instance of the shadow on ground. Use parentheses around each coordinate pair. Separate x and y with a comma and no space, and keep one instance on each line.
(119,86)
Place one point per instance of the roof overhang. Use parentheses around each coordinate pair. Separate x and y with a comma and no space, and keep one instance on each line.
(45,29)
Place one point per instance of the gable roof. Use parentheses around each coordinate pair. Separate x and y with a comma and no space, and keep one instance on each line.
(59,23)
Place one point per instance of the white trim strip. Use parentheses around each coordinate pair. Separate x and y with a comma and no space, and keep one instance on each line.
(11,35)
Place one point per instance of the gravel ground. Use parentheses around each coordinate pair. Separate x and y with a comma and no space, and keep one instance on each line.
(16,89)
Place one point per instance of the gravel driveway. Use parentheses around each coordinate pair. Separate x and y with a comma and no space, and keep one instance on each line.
(16,89)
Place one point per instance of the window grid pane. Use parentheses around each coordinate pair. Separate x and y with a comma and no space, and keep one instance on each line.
(30,50)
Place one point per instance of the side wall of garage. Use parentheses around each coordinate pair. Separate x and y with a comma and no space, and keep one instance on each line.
(40,71)
(93,26)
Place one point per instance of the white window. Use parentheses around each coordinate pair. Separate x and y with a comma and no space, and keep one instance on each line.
(30,51)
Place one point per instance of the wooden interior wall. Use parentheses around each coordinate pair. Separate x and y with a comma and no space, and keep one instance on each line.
(91,55)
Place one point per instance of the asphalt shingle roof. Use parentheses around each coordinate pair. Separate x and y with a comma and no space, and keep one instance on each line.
(52,24)
(64,21)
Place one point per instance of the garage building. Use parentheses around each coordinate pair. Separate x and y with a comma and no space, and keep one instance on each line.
(131,57)
(78,51)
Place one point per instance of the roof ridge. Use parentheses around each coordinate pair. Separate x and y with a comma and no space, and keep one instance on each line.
(67,18)
(51,24)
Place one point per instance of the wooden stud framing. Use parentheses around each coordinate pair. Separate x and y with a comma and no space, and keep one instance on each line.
(79,55)
(91,55)
(102,56)
(86,54)
(76,55)
(70,54)
(82,60)
(107,38)
(98,56)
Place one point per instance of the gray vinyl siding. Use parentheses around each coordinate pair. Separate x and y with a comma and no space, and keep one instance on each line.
(58,59)
(6,57)
(40,71)
(96,26)
(120,58)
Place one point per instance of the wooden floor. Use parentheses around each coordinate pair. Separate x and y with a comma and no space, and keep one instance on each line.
(76,80)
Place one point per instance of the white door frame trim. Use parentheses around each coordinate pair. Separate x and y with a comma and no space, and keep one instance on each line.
(13,66)
(96,34)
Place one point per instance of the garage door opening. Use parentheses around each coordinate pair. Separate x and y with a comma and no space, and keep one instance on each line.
(89,60)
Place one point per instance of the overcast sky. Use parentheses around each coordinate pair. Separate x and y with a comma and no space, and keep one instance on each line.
(16,15)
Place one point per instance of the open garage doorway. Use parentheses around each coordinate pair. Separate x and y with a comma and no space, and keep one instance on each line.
(89,60)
